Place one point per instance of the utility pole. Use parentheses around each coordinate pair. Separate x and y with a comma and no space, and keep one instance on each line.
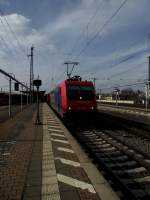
(31,74)
(27,94)
(149,78)
(21,92)
(146,97)
(73,65)
(10,97)
(37,83)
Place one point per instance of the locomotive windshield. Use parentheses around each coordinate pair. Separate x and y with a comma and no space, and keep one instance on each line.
(80,92)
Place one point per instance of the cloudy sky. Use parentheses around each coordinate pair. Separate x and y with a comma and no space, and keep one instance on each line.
(109,38)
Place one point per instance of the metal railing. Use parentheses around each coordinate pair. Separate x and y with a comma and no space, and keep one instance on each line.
(23,85)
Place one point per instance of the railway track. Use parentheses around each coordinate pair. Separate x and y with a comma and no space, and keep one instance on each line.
(133,107)
(121,162)
(141,129)
(121,154)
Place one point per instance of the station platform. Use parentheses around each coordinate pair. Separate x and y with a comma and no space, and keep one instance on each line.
(46,162)
(134,114)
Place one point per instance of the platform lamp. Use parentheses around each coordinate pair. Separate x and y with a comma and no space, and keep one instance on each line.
(37,83)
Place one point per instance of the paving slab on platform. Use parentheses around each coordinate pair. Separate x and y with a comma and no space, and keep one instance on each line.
(74,175)
(46,162)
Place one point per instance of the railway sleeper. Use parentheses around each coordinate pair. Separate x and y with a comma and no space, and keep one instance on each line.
(115,159)
(125,188)
(124,165)
(124,173)
(122,158)
(130,164)
(141,194)
(112,154)
(138,157)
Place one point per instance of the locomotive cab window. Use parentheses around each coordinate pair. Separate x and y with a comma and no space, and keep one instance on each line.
(80,92)
(73,92)
(87,92)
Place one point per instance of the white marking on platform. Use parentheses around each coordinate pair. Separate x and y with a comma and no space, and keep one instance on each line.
(76,183)
(54,126)
(55,134)
(144,179)
(6,154)
(11,142)
(65,150)
(68,162)
(51,121)
(61,141)
(56,130)
(49,189)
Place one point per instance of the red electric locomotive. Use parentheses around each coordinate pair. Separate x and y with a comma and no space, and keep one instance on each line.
(73,95)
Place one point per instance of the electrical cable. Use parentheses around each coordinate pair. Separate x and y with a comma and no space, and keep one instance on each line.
(89,22)
(12,32)
(101,29)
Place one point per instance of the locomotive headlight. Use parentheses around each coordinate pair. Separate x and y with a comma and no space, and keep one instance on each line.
(92,108)
(69,108)
(80,97)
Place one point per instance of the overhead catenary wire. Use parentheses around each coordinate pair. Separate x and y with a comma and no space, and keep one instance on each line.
(122,86)
(110,77)
(12,32)
(6,32)
(133,68)
(126,58)
(80,36)
(100,30)
(85,28)
(8,48)
(8,42)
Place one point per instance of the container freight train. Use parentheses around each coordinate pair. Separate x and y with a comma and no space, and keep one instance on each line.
(73,96)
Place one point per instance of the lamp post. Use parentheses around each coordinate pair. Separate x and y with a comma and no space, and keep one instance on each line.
(10,99)
(37,83)
(146,95)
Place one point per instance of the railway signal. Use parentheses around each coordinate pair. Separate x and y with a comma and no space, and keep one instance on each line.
(31,74)
(16,86)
